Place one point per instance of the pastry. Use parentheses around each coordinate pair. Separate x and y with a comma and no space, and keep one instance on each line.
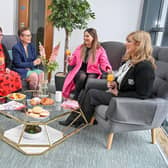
(37,112)
(16,96)
(47,101)
(44,113)
(35,101)
(37,109)
(34,115)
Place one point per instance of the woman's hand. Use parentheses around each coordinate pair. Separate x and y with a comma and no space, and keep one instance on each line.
(109,71)
(37,61)
(7,70)
(111,84)
(42,50)
(113,87)
(69,58)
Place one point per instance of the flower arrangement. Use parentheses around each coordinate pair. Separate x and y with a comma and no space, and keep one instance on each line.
(49,64)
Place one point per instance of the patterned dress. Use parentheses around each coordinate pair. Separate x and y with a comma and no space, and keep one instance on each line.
(9,81)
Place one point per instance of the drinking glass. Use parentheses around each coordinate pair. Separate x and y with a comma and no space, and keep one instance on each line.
(68,52)
(110,79)
(43,89)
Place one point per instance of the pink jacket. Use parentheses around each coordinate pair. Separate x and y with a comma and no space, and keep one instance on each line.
(101,60)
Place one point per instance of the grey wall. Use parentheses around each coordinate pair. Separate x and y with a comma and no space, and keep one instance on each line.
(8,16)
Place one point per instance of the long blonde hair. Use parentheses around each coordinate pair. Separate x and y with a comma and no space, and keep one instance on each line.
(94,47)
(143,50)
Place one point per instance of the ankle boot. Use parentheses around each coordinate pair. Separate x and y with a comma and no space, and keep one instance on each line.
(79,122)
(70,118)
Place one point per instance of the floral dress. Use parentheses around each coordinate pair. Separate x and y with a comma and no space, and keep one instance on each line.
(9,81)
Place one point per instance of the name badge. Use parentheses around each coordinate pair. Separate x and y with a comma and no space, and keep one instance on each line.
(131,82)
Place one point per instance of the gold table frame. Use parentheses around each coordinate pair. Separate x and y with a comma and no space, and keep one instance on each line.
(50,145)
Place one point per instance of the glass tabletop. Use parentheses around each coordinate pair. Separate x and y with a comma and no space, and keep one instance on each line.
(55,110)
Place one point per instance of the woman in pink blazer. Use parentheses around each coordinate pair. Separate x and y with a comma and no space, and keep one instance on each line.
(88,60)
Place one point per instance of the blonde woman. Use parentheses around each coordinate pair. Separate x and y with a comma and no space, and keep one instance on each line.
(134,79)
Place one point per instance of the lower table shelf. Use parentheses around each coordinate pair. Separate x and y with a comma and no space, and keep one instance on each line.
(30,145)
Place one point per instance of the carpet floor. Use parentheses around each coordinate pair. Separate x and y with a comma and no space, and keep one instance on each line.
(87,150)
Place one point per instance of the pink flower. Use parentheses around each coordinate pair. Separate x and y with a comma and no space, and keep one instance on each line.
(51,63)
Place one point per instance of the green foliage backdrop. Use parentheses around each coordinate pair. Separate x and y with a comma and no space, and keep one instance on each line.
(70,15)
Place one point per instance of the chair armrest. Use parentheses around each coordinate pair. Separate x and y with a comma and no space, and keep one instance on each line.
(96,84)
(92,84)
(135,111)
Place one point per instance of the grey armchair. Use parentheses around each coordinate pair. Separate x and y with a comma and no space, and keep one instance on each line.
(9,41)
(130,114)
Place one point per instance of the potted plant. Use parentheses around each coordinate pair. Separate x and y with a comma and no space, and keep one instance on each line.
(70,15)
(32,131)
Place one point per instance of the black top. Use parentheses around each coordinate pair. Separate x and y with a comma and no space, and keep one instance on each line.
(84,63)
(138,82)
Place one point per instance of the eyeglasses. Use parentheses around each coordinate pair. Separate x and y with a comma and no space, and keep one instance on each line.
(27,35)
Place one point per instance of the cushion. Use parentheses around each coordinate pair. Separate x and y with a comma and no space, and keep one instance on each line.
(160,87)
(114,50)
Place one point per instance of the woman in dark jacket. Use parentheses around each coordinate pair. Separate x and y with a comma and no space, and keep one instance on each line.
(9,80)
(134,79)
(25,60)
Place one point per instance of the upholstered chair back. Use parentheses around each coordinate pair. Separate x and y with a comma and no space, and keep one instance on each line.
(115,51)
(160,88)
(9,41)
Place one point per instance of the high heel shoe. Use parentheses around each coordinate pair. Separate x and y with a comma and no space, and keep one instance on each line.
(70,118)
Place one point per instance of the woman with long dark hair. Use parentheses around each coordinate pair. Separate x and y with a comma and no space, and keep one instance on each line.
(88,60)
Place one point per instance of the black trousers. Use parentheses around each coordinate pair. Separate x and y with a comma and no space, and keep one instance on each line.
(80,81)
(93,98)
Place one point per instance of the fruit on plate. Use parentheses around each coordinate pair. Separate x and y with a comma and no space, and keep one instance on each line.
(47,101)
(38,112)
(35,101)
(16,96)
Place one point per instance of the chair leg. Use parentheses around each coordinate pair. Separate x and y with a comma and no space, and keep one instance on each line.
(110,140)
(153,135)
(92,120)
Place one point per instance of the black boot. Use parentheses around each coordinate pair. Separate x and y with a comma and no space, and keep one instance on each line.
(70,118)
(79,122)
